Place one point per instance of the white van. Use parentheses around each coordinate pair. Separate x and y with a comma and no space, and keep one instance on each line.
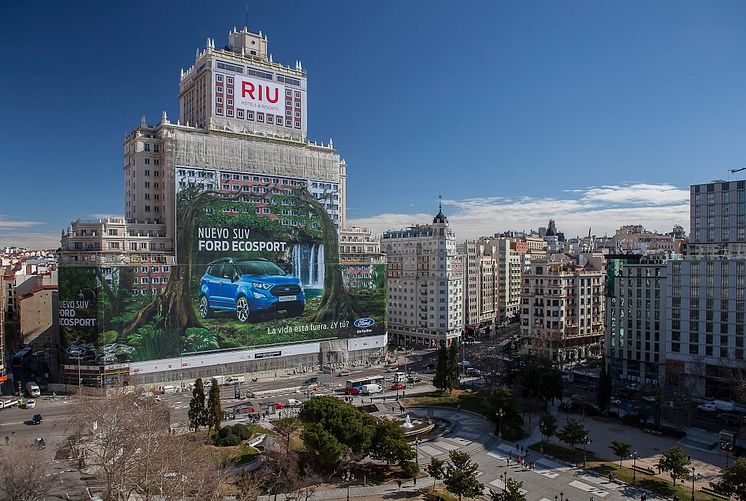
(32,389)
(400,377)
(370,389)
(169,389)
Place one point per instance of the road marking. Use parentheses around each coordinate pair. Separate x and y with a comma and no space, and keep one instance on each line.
(501,485)
(588,488)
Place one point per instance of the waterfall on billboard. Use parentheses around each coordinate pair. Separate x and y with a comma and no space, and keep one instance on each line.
(308,264)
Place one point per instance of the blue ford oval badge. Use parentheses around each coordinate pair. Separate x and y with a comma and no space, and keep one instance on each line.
(364,323)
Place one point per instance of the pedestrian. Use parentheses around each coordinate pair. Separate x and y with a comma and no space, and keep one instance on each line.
(507,461)
(517,446)
(398,482)
(7,439)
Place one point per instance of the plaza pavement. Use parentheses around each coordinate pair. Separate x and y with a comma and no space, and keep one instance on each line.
(472,433)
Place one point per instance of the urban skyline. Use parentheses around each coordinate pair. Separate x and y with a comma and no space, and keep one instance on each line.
(551,109)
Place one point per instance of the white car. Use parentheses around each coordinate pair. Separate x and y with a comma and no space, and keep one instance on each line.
(294,403)
(30,404)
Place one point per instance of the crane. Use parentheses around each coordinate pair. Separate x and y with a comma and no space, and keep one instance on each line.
(733,171)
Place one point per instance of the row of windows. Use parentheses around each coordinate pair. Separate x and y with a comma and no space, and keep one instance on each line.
(253,72)
(261,117)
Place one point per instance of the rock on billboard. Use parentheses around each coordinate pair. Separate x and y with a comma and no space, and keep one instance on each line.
(259,95)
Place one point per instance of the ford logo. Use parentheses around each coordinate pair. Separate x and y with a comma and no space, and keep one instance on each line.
(76,351)
(364,323)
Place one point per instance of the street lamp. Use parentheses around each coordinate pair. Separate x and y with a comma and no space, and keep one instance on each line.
(348,477)
(693,475)
(500,413)
(417,451)
(504,480)
(587,442)
(634,466)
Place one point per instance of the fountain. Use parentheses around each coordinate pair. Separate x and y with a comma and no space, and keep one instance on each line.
(416,427)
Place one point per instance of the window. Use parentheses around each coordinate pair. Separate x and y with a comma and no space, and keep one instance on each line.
(230,80)
(230,91)
(229,112)
(219,78)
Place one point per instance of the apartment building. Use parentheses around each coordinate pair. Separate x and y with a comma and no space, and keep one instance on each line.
(424,284)
(562,315)
(509,272)
(635,306)
(359,251)
(480,281)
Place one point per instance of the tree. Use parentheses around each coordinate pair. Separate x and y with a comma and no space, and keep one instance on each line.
(286,427)
(440,380)
(23,472)
(350,427)
(512,422)
(603,393)
(214,409)
(197,411)
(675,462)
(126,444)
(572,433)
(461,475)
(621,450)
(389,443)
(512,492)
(322,446)
(547,427)
(436,469)
(453,372)
(733,481)
(410,469)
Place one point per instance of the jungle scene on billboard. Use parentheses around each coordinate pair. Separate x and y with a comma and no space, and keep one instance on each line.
(246,277)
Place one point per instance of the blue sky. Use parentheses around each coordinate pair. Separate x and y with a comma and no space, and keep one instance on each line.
(596,113)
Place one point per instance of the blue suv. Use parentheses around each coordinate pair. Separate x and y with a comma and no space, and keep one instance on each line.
(249,286)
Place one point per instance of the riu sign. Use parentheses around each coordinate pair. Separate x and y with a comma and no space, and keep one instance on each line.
(259,95)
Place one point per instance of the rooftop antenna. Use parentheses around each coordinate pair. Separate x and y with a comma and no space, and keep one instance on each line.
(440,203)
(246,17)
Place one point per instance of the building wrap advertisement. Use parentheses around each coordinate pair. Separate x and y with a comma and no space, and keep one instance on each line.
(254,269)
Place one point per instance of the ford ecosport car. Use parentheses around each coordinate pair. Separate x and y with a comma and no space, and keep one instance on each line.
(249,286)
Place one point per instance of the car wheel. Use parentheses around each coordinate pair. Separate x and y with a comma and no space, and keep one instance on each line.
(243,312)
(204,307)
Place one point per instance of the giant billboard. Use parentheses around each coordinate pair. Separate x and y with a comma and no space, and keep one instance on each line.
(254,269)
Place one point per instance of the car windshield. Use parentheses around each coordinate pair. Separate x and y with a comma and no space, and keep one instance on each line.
(260,268)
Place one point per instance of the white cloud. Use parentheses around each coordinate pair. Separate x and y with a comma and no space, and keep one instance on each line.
(603,209)
(13,223)
(640,193)
(31,240)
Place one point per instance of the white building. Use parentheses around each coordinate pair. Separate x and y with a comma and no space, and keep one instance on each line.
(425,284)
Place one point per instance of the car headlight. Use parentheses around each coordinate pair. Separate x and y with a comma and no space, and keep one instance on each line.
(262,286)
(258,295)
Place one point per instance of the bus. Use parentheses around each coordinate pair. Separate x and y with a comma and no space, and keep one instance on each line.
(362,381)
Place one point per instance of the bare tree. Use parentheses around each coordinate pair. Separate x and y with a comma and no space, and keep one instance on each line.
(126,443)
(23,471)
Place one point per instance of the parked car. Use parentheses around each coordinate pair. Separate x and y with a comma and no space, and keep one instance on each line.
(30,404)
(729,418)
(247,287)
(294,403)
(353,390)
(398,386)
(473,371)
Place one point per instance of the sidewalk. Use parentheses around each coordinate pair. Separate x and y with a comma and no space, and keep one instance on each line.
(358,491)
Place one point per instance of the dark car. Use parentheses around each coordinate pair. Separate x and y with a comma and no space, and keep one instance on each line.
(247,287)
(36,419)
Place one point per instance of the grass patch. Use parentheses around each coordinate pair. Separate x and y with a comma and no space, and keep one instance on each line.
(246,454)
(440,494)
(657,485)
(574,456)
